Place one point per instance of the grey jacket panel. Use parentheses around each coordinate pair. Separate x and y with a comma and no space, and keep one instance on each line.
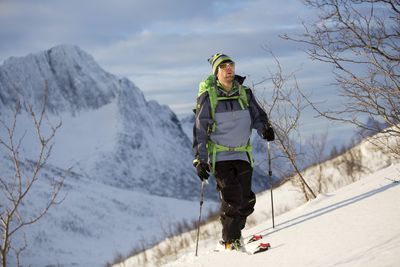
(233,125)
(233,129)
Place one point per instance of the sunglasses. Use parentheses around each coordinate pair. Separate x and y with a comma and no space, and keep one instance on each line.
(226,65)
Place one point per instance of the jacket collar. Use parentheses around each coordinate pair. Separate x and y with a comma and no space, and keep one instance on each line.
(235,89)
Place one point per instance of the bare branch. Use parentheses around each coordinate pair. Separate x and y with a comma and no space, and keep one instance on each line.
(284,113)
(361,39)
(16,189)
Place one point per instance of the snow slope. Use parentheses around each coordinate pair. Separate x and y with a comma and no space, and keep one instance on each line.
(356,225)
(97,222)
(94,223)
(354,222)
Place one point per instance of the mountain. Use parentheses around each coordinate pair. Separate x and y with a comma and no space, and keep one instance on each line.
(131,178)
(111,133)
(75,82)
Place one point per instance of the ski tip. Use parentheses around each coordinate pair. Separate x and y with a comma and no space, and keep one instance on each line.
(265,245)
(262,247)
(254,238)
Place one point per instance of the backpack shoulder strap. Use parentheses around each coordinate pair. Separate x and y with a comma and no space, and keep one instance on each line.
(212,94)
(243,99)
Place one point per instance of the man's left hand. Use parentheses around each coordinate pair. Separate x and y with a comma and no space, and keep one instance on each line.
(268,133)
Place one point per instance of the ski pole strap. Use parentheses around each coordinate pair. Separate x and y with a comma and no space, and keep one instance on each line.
(214,148)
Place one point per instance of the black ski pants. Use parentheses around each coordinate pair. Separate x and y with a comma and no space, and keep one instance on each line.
(237,200)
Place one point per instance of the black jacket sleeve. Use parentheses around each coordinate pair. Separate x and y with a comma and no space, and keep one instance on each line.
(259,116)
(201,125)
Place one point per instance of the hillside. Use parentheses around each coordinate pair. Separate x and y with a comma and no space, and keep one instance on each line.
(353,226)
(353,221)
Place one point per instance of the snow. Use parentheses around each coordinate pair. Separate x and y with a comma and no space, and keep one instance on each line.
(352,222)
(357,225)
(131,161)
(125,188)
(95,223)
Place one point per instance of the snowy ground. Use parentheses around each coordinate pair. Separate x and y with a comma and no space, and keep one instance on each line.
(357,225)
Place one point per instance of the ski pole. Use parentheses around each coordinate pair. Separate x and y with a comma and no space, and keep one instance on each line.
(201,205)
(270,184)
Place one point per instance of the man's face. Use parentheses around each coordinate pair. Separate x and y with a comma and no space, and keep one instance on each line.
(226,71)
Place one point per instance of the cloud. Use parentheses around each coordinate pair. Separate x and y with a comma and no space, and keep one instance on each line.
(162,46)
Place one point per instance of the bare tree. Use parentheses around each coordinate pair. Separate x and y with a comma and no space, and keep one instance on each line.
(361,39)
(352,163)
(317,146)
(285,111)
(15,188)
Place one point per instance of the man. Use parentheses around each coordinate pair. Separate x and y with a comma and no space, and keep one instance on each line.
(226,113)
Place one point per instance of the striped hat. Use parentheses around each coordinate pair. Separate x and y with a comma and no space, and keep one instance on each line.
(217,59)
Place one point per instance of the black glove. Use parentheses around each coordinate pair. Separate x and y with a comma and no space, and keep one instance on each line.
(203,170)
(268,133)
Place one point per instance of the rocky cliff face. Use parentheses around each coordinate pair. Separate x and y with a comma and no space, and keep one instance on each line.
(113,133)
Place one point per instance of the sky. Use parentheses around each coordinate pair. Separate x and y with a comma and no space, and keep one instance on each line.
(163,45)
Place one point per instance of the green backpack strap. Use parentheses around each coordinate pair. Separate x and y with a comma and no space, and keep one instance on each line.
(213,105)
(209,86)
(214,148)
(243,101)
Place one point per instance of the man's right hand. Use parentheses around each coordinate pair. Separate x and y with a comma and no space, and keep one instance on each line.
(203,170)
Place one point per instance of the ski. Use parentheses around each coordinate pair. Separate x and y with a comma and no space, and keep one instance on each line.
(262,247)
(254,238)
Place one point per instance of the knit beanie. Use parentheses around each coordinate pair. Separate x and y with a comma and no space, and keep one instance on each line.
(217,59)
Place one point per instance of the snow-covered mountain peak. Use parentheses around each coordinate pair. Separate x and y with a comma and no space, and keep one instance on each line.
(110,132)
(73,79)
